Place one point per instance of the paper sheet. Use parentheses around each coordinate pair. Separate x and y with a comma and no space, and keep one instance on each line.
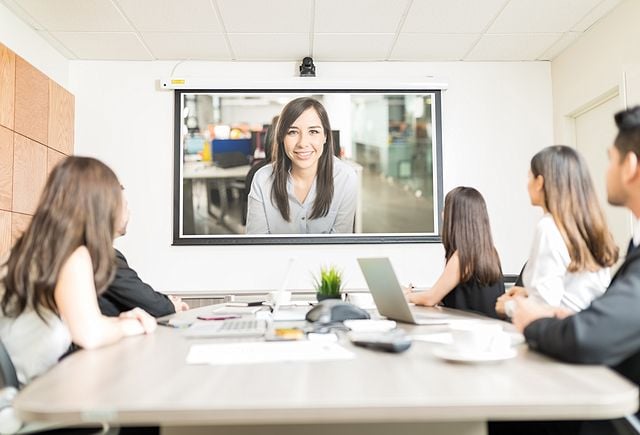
(223,309)
(266,352)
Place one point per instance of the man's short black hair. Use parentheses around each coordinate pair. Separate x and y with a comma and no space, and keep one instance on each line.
(628,138)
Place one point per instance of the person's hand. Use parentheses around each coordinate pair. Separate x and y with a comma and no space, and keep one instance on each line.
(408,290)
(563,313)
(500,304)
(527,310)
(517,291)
(507,296)
(178,303)
(145,320)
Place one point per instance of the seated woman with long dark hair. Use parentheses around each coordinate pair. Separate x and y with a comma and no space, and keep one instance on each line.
(472,277)
(50,281)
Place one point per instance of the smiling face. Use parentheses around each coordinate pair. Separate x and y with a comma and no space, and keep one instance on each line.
(304,141)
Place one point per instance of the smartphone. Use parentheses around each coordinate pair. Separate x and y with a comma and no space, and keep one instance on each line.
(219,317)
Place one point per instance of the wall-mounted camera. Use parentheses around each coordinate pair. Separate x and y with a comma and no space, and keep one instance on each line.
(307,68)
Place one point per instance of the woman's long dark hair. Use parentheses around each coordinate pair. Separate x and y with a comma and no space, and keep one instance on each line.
(571,200)
(80,206)
(282,163)
(466,230)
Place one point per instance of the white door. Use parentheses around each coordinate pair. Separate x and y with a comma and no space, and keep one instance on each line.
(595,132)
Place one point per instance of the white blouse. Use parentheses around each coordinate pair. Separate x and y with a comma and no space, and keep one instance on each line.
(263,216)
(546,276)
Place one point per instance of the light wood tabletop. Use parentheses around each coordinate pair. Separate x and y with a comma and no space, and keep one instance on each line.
(145,380)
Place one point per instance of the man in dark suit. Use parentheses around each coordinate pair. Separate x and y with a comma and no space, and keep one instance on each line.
(608,331)
(128,291)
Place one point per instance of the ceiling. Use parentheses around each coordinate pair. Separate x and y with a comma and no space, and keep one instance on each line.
(328,30)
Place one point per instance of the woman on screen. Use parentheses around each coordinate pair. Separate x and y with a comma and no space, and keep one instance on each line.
(49,282)
(305,190)
(572,250)
(472,277)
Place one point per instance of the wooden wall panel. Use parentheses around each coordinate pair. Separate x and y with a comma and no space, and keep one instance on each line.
(6,168)
(5,233)
(31,102)
(29,173)
(19,223)
(61,110)
(7,86)
(53,157)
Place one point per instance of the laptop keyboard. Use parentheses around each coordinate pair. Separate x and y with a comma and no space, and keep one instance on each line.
(228,328)
(240,325)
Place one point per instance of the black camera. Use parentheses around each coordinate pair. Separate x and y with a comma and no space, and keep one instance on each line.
(307,68)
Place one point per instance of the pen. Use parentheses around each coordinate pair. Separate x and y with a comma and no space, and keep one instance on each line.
(223,317)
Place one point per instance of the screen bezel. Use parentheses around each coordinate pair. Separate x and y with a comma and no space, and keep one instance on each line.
(306,239)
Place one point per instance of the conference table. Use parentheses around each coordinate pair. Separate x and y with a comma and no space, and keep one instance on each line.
(145,380)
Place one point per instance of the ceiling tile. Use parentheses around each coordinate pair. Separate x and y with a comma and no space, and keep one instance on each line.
(180,46)
(559,46)
(541,16)
(104,46)
(171,15)
(512,47)
(426,46)
(56,44)
(451,16)
(359,16)
(260,46)
(76,15)
(357,47)
(260,16)
(595,14)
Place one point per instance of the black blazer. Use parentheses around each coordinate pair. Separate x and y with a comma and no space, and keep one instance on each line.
(607,332)
(128,291)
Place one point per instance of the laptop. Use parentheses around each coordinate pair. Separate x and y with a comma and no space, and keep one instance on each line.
(230,159)
(389,298)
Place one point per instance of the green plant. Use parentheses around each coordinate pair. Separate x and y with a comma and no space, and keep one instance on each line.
(329,283)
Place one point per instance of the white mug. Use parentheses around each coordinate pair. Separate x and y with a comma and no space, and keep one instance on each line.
(362,300)
(284,297)
(477,336)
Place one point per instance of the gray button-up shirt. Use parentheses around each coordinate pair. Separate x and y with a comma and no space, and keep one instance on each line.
(263,216)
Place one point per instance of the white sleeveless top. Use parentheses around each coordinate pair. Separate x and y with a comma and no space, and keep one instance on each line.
(33,345)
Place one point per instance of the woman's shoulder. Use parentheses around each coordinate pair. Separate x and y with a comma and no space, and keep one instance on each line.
(342,169)
(547,225)
(263,173)
(79,259)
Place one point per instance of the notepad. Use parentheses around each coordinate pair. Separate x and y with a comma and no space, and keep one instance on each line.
(224,309)
(266,352)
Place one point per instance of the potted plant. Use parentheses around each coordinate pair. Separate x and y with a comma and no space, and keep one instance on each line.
(329,283)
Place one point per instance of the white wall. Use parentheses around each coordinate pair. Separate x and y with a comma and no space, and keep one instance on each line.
(28,44)
(495,117)
(593,66)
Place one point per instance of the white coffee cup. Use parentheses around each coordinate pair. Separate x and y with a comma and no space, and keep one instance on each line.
(477,336)
(362,300)
(284,297)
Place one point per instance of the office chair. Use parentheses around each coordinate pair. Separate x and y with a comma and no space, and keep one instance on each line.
(9,421)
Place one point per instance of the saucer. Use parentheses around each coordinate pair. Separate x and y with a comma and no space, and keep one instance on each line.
(452,354)
(445,338)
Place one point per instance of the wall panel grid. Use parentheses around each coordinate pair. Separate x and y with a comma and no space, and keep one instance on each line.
(36,131)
